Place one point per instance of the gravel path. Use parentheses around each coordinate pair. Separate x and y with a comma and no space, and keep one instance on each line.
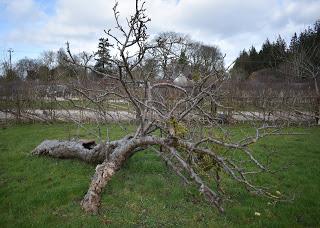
(67,115)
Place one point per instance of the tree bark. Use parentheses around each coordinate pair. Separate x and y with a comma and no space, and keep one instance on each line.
(110,157)
(71,150)
(104,172)
(98,154)
(91,201)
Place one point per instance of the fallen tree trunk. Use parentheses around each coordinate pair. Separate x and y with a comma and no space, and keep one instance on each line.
(91,201)
(99,154)
(180,154)
(112,163)
(70,149)
(109,156)
(95,153)
(112,156)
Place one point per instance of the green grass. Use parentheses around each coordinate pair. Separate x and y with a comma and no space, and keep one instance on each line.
(45,192)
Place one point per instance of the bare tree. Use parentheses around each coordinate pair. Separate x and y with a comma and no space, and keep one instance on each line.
(170,45)
(192,140)
(304,63)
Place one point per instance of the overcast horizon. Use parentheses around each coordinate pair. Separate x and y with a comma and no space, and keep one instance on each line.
(30,27)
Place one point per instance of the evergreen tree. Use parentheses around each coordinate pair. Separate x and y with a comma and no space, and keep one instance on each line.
(253,63)
(294,43)
(266,54)
(242,62)
(305,47)
(279,51)
(183,60)
(103,57)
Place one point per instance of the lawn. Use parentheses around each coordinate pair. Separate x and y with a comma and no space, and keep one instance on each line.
(45,192)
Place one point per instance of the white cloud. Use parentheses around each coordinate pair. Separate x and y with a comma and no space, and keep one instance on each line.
(231,24)
(298,12)
(19,10)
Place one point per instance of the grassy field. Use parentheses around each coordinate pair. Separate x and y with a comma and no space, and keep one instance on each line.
(45,192)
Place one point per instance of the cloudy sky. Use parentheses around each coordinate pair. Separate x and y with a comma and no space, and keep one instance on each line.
(31,26)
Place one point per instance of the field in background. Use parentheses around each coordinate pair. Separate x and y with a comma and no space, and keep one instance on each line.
(40,191)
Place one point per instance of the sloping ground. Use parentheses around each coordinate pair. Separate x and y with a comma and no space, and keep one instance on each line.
(266,75)
(44,192)
(276,79)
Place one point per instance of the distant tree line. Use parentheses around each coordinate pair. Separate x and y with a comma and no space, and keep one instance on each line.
(50,66)
(303,47)
(176,54)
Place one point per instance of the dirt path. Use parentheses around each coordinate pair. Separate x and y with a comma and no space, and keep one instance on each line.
(77,115)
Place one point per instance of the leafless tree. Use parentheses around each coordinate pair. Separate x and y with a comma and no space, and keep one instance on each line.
(193,143)
(169,47)
(304,64)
